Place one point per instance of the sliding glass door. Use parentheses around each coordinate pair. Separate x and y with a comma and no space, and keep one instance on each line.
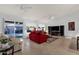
(13,29)
(19,31)
(9,30)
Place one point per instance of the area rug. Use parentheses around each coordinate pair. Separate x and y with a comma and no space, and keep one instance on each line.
(49,40)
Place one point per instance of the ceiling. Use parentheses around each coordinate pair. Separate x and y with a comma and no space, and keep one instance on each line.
(39,11)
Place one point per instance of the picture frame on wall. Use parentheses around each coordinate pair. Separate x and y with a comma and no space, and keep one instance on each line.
(71,26)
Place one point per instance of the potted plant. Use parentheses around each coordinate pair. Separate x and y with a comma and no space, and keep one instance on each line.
(4,42)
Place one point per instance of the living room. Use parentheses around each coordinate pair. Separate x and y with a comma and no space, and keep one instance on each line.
(55,26)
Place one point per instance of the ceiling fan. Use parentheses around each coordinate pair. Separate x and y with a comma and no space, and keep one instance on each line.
(25,7)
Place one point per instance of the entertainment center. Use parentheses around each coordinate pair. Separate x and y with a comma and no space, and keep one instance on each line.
(56,30)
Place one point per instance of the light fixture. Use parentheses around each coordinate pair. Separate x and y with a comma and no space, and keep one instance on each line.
(25,7)
(51,17)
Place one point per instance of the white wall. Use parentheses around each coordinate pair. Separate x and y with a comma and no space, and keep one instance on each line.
(55,22)
(40,15)
(64,21)
(1,25)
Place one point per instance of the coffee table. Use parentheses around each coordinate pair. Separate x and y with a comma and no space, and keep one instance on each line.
(6,49)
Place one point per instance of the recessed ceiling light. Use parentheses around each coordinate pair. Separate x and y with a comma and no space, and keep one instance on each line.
(52,17)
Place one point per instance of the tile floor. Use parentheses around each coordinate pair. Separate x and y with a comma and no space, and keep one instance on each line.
(60,46)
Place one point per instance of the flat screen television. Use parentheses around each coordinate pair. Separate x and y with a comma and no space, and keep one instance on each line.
(55,28)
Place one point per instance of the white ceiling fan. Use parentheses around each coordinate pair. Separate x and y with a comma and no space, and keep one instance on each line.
(25,7)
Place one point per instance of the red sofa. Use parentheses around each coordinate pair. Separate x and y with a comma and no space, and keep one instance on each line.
(38,37)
